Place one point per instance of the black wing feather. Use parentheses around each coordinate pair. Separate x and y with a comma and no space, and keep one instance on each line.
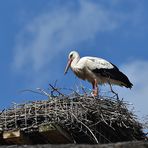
(114,74)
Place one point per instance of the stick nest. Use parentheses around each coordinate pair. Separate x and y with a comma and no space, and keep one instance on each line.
(85,118)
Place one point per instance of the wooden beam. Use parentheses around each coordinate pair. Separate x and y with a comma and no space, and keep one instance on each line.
(16,137)
(55,134)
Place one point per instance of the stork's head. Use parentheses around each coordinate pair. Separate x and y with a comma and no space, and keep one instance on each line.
(72,55)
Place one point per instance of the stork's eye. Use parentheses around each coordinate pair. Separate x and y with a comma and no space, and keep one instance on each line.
(71,55)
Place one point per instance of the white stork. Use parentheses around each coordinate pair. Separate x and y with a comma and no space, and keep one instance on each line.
(96,71)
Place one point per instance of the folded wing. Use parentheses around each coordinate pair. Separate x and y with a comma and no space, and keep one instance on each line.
(108,70)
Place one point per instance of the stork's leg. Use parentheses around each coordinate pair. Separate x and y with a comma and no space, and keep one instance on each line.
(95,88)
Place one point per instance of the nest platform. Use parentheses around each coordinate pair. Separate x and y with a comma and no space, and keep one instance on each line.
(69,119)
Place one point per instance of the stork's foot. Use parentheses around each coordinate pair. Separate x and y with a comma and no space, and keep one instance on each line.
(95,93)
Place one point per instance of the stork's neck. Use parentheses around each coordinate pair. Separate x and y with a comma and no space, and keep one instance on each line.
(75,61)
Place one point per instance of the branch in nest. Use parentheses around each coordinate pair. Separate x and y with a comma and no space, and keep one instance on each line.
(54,89)
(86,127)
(43,92)
(29,90)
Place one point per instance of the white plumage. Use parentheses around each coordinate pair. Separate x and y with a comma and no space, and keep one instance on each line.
(96,71)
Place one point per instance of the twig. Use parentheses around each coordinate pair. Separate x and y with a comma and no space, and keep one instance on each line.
(86,127)
(55,90)
(113,90)
(29,90)
(43,92)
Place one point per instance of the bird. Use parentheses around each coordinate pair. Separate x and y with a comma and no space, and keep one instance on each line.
(97,71)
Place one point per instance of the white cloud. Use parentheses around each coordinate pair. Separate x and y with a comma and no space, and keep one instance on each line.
(55,31)
(137,71)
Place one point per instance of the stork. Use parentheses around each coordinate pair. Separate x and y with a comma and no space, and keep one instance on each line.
(96,71)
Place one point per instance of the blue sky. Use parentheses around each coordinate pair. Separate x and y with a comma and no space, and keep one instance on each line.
(37,35)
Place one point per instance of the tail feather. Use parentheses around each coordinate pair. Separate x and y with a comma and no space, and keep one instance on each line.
(123,78)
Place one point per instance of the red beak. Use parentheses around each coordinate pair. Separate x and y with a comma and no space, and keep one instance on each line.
(67,67)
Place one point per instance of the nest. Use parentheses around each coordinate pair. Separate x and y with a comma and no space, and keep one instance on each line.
(85,118)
